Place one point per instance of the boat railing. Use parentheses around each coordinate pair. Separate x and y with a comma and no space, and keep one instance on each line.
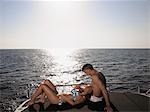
(137,87)
(148,92)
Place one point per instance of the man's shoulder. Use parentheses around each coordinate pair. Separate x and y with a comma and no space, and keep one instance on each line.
(99,76)
(100,73)
(102,78)
(96,77)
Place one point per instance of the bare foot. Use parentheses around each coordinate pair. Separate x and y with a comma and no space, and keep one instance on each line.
(36,107)
(40,100)
(30,103)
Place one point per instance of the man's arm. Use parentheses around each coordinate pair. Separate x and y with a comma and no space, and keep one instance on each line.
(104,92)
(87,90)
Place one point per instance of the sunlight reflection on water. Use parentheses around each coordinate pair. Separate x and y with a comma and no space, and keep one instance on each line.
(64,66)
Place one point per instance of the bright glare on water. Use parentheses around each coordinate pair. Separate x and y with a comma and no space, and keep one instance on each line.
(65,65)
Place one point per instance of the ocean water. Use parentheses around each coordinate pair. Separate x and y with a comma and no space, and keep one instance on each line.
(20,69)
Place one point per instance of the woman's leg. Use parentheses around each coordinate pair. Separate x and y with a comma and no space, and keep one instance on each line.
(36,107)
(53,98)
(50,85)
(41,98)
(67,98)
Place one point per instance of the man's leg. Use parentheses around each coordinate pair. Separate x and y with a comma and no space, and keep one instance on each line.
(96,106)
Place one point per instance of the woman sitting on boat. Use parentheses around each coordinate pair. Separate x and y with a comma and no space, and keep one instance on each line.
(47,88)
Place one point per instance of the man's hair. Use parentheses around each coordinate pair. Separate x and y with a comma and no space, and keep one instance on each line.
(87,66)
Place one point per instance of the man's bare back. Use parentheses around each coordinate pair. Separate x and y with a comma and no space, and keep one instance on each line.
(98,86)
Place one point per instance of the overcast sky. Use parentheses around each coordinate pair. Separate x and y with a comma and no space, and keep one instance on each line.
(75,24)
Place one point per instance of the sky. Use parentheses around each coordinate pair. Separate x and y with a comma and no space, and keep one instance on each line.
(74,24)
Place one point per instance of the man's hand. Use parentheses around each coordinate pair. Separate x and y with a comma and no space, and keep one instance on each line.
(83,93)
(108,109)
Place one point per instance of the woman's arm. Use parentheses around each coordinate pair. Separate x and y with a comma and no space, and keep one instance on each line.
(80,99)
(68,99)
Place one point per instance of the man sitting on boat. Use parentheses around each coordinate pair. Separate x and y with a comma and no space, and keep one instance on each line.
(99,91)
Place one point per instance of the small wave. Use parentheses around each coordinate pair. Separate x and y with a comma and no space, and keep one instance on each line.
(66,72)
(4,72)
(8,66)
(17,70)
(76,71)
(135,77)
(48,75)
(4,87)
(114,69)
(143,60)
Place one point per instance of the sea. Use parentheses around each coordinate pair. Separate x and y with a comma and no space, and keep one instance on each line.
(22,70)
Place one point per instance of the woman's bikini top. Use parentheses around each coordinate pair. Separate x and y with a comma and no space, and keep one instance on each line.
(75,93)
